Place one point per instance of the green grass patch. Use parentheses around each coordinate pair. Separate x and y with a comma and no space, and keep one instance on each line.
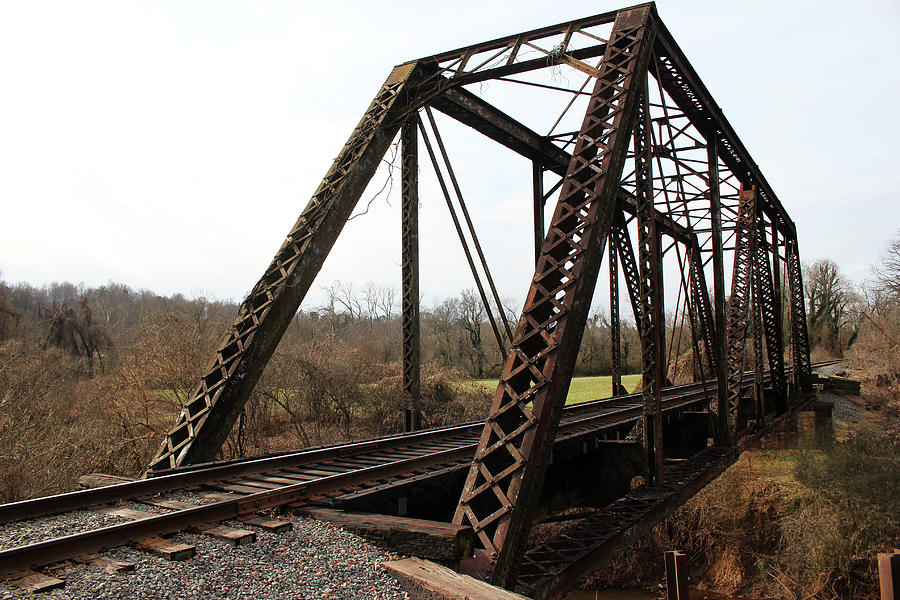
(582,389)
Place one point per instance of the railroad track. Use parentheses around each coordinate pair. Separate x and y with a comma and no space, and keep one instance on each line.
(240,489)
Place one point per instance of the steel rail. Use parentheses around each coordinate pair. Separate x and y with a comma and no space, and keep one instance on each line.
(176,479)
(55,550)
(578,419)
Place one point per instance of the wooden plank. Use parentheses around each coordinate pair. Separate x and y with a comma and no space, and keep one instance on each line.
(107,564)
(425,579)
(235,537)
(417,537)
(32,581)
(269,524)
(170,504)
(126,513)
(218,495)
(165,548)
(95,480)
(233,487)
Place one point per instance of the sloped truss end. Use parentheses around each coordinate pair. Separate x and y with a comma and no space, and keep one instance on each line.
(217,400)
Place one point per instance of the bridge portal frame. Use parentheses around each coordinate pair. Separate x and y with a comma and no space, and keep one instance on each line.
(648,107)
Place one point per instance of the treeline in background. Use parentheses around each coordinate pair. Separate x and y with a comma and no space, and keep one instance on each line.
(91,378)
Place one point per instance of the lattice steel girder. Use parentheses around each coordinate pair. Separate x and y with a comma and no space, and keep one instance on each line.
(469,109)
(701,306)
(503,483)
(799,332)
(218,398)
(769,309)
(738,305)
(409,256)
(652,328)
(615,331)
(686,88)
(620,240)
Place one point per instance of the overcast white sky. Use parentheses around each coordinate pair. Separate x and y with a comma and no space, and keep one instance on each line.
(171,146)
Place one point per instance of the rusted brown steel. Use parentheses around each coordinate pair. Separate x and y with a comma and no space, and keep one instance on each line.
(538,200)
(409,256)
(669,200)
(799,333)
(652,328)
(719,408)
(500,491)
(769,307)
(738,306)
(615,327)
(621,240)
(219,397)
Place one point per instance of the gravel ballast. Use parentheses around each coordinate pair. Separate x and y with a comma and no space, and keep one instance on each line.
(314,560)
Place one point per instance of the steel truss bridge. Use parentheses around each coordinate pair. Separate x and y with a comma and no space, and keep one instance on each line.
(641,162)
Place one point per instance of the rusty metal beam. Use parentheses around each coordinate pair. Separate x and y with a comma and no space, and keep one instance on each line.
(469,109)
(686,88)
(501,488)
(222,391)
(409,256)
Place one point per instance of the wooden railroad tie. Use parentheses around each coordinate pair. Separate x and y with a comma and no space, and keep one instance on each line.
(32,581)
(427,539)
(166,548)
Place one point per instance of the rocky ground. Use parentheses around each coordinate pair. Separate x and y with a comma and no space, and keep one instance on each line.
(314,560)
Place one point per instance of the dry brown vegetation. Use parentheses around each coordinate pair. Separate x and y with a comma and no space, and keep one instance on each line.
(91,379)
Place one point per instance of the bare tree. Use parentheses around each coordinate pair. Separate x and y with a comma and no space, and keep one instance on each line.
(887,274)
(829,296)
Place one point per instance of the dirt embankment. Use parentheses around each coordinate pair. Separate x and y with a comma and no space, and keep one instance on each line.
(793,523)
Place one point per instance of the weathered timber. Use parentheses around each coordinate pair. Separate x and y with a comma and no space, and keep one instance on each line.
(107,564)
(96,480)
(235,537)
(267,523)
(165,548)
(126,513)
(424,580)
(418,537)
(32,581)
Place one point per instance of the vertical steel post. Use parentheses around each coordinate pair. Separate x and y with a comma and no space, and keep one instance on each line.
(650,262)
(799,332)
(220,394)
(738,307)
(537,182)
(615,332)
(720,409)
(409,216)
(503,484)
(676,576)
(756,326)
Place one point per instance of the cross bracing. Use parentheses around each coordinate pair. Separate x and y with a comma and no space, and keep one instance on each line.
(630,155)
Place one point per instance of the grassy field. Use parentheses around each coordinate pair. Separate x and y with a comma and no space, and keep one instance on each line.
(582,388)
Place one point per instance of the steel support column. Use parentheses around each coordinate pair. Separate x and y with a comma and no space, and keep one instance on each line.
(719,408)
(622,242)
(409,256)
(501,489)
(799,332)
(537,182)
(738,307)
(222,391)
(615,327)
(649,259)
(768,306)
